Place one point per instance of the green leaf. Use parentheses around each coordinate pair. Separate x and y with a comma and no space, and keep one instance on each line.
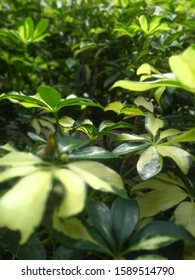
(71,227)
(153,124)
(114,106)
(143,23)
(168,132)
(188,136)
(144,86)
(183,67)
(158,93)
(23,206)
(49,95)
(146,68)
(158,234)
(32,250)
(132,111)
(141,101)
(130,147)
(67,144)
(149,163)
(130,137)
(77,102)
(125,214)
(184,215)
(29,29)
(40,28)
(74,193)
(17,159)
(182,158)
(99,176)
(161,199)
(93,152)
(109,125)
(100,217)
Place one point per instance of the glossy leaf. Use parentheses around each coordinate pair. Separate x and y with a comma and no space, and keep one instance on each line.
(99,176)
(49,95)
(100,217)
(149,163)
(143,23)
(17,159)
(40,28)
(182,158)
(125,214)
(184,215)
(25,202)
(67,143)
(153,124)
(158,234)
(93,152)
(131,137)
(74,197)
(130,147)
(183,67)
(169,132)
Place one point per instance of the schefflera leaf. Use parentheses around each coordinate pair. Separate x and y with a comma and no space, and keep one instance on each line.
(149,163)
(99,176)
(182,158)
(23,206)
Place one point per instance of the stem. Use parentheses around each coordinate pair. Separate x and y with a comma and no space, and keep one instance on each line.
(57,123)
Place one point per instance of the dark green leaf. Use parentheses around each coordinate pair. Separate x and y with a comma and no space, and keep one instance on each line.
(158,234)
(100,216)
(125,214)
(32,250)
(67,143)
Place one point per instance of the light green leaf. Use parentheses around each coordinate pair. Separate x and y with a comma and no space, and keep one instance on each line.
(153,124)
(158,93)
(146,69)
(132,111)
(188,136)
(149,163)
(19,159)
(185,215)
(143,23)
(182,158)
(23,206)
(16,171)
(99,176)
(141,101)
(143,86)
(74,193)
(168,132)
(183,67)
(160,200)
(29,29)
(114,106)
(71,227)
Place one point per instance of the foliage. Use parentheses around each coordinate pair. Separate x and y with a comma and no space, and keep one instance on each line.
(94,163)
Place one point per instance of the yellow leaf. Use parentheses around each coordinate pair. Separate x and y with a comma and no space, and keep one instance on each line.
(75,193)
(23,206)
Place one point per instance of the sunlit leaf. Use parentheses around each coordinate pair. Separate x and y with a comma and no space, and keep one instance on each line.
(23,206)
(141,101)
(130,147)
(183,67)
(19,159)
(49,95)
(149,163)
(99,176)
(153,124)
(143,23)
(182,158)
(114,106)
(74,193)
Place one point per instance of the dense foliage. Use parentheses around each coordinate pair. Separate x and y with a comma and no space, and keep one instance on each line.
(97,112)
